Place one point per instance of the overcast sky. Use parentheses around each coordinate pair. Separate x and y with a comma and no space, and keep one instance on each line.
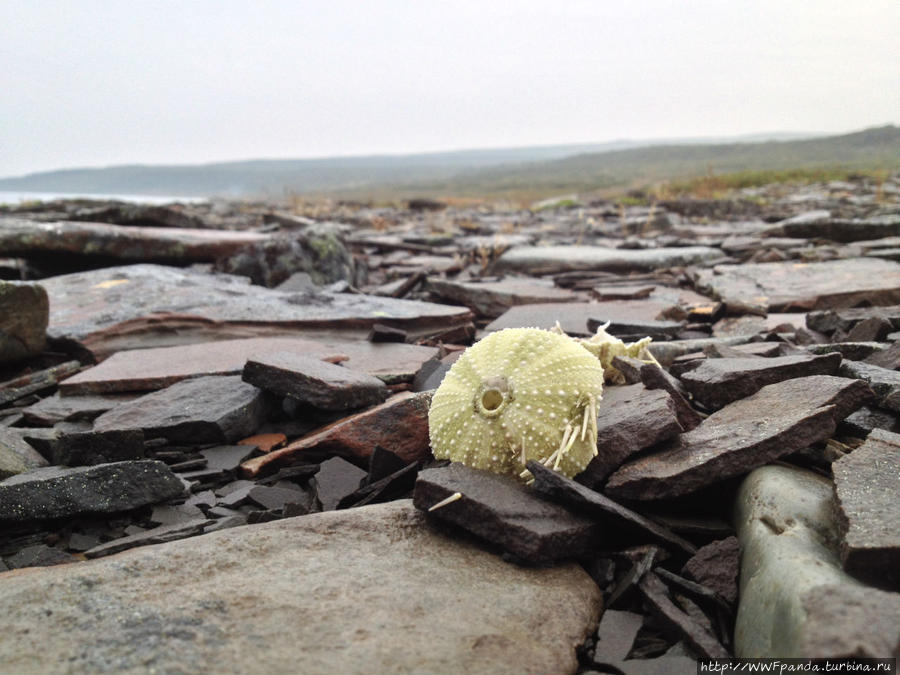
(91,83)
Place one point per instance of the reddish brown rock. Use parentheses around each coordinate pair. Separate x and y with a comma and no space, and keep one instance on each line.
(867,493)
(265,442)
(149,369)
(779,419)
(717,566)
(717,382)
(629,419)
(356,436)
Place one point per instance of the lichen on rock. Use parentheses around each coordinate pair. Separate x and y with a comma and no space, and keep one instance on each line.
(519,394)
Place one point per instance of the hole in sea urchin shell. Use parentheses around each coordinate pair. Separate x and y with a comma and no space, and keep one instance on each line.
(492,396)
(491,399)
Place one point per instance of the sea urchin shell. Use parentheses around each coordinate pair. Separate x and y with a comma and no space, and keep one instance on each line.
(519,394)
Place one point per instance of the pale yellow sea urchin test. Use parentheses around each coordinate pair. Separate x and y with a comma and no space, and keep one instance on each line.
(519,394)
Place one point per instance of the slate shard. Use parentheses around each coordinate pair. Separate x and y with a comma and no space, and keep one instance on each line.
(215,409)
(718,382)
(867,492)
(57,492)
(779,419)
(504,512)
(314,382)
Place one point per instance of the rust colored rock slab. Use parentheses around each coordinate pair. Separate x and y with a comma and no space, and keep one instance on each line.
(777,420)
(23,237)
(573,317)
(136,306)
(867,491)
(400,425)
(150,369)
(797,286)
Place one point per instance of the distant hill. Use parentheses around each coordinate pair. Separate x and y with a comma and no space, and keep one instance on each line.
(538,170)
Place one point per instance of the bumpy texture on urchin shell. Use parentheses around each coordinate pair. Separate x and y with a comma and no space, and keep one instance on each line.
(511,397)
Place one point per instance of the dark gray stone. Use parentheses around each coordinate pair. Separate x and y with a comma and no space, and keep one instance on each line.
(157,535)
(314,382)
(695,634)
(274,498)
(873,329)
(717,382)
(779,419)
(630,418)
(40,555)
(886,358)
(97,447)
(821,225)
(213,409)
(56,492)
(867,493)
(226,458)
(336,479)
(492,298)
(24,313)
(830,320)
(561,489)
(554,259)
(855,351)
(635,330)
(56,408)
(615,635)
(863,421)
(503,511)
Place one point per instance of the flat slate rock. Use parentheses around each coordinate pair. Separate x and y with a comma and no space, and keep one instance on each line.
(23,237)
(795,287)
(370,590)
(821,225)
(56,408)
(603,509)
(829,320)
(60,492)
(718,382)
(155,368)
(504,512)
(573,317)
(336,479)
(215,409)
(492,298)
(24,312)
(358,435)
(885,383)
(85,448)
(156,535)
(779,419)
(867,503)
(616,634)
(555,259)
(315,382)
(134,306)
(630,418)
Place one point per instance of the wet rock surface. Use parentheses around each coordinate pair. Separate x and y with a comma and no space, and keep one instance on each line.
(751,303)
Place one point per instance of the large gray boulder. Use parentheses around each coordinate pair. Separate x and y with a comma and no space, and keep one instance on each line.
(370,590)
(793,590)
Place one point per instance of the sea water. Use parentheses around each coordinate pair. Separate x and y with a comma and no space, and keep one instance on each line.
(20,197)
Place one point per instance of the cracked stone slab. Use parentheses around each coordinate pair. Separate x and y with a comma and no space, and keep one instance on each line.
(718,382)
(492,298)
(779,419)
(867,493)
(408,599)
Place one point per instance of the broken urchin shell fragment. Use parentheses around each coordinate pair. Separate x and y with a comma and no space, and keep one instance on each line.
(519,394)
